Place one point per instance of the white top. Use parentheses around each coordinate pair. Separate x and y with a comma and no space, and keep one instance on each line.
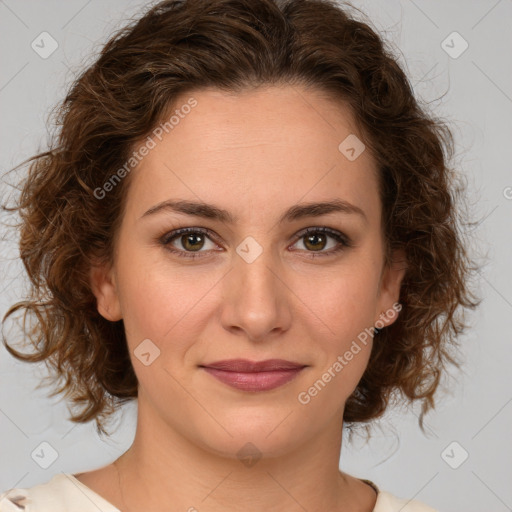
(64,493)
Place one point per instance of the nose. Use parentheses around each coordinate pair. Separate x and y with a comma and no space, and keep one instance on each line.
(257,299)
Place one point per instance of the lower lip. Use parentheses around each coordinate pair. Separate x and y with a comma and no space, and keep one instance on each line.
(254,381)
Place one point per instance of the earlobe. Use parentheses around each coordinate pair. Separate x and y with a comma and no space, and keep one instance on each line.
(390,289)
(103,286)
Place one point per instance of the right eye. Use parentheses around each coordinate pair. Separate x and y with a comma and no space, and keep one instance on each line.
(190,239)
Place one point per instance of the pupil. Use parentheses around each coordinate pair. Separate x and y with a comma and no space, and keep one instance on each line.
(188,239)
(313,237)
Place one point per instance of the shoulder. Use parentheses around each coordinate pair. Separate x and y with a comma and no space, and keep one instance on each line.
(387,502)
(63,493)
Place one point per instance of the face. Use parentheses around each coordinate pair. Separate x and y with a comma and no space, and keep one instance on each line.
(267,279)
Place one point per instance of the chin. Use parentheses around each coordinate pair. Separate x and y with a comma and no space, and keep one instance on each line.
(263,436)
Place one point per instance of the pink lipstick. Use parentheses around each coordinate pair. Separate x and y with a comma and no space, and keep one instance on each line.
(254,375)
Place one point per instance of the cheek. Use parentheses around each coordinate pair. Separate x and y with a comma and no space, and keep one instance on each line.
(346,306)
(346,299)
(159,301)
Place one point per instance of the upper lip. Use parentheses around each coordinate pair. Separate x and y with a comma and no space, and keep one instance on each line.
(244,365)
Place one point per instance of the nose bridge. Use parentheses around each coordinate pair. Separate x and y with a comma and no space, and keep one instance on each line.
(255,300)
(254,265)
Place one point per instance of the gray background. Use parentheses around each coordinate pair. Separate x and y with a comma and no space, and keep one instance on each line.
(474,409)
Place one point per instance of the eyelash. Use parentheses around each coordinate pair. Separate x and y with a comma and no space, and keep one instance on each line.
(344,241)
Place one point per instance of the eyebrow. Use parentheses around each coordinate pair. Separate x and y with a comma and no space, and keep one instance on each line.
(296,212)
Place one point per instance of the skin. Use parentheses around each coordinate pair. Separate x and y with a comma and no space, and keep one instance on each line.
(254,154)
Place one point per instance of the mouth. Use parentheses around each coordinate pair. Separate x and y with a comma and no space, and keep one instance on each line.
(248,375)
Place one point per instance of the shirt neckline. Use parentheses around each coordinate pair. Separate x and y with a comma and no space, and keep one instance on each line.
(75,480)
(84,488)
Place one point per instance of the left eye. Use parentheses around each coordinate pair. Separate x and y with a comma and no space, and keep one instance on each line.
(192,240)
(318,236)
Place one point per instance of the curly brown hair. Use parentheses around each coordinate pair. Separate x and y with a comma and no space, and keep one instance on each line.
(179,46)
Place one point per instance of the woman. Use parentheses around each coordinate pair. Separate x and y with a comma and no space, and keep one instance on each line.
(248,224)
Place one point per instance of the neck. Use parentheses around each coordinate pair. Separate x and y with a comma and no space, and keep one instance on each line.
(165,466)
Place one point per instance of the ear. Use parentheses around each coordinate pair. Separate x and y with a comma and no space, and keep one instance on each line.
(103,286)
(389,289)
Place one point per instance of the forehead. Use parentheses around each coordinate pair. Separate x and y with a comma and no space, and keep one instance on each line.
(256,148)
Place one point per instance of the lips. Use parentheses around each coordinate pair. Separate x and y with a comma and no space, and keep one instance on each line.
(248,375)
(246,366)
